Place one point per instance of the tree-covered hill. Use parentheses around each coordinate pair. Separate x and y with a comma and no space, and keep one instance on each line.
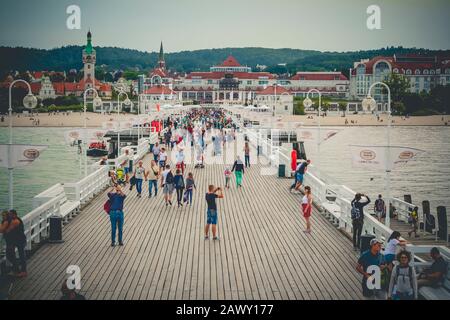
(277,60)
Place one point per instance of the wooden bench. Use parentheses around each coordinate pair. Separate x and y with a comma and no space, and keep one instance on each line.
(440,293)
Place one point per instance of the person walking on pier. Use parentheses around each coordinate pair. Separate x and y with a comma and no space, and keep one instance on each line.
(227,174)
(357,215)
(190,186)
(307,208)
(414,221)
(211,214)
(167,183)
(139,175)
(179,186)
(156,150)
(247,154)
(14,235)
(380,208)
(116,216)
(152,176)
(238,168)
(162,158)
(403,284)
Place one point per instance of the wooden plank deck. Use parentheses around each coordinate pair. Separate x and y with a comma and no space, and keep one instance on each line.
(262,253)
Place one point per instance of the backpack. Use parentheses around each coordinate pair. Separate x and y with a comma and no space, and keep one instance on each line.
(107,206)
(169,178)
(379,205)
(356,213)
(410,275)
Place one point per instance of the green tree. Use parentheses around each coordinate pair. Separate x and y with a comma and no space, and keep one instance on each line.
(343,106)
(399,86)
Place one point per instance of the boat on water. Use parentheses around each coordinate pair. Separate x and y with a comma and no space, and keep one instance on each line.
(97,149)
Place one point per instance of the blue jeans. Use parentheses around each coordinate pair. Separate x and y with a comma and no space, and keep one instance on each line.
(247,160)
(139,185)
(189,195)
(151,184)
(116,217)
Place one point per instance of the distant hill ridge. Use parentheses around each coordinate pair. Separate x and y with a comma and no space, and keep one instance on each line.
(69,57)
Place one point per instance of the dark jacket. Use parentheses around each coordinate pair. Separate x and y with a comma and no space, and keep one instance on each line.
(360,206)
(238,167)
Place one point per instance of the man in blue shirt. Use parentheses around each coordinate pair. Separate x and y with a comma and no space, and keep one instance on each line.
(371,257)
(116,197)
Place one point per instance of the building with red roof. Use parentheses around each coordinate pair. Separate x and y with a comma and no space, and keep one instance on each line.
(278,99)
(423,72)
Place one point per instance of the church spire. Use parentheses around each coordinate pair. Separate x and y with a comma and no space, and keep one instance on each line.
(89,43)
(161,61)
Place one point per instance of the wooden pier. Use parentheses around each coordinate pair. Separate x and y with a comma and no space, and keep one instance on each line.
(262,253)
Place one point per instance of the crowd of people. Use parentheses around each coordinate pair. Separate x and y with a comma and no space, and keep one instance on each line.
(167,172)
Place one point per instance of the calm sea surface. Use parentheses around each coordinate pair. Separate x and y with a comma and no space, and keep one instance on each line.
(58,163)
(426,178)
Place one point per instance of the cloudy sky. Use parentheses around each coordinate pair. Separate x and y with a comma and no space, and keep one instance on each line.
(325,25)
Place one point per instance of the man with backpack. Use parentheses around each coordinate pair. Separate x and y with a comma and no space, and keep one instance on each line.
(380,208)
(357,214)
(403,284)
(168,184)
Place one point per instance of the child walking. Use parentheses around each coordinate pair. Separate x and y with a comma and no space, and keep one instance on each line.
(227,174)
(190,186)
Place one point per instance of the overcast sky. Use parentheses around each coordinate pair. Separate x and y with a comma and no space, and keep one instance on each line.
(326,25)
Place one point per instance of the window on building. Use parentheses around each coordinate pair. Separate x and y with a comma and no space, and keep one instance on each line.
(395,70)
(417,71)
(382,68)
(361,69)
(249,82)
(408,71)
(425,71)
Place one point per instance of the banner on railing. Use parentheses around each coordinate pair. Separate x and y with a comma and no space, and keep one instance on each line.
(376,157)
(21,154)
(75,135)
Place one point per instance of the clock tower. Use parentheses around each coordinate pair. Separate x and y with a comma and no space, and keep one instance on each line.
(89,57)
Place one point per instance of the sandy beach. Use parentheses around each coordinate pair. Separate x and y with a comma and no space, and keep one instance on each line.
(95,120)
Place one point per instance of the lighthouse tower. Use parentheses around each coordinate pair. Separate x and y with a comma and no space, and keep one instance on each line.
(89,57)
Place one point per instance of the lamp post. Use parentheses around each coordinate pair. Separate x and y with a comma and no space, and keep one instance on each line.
(29,101)
(308,103)
(370,104)
(126,102)
(96,102)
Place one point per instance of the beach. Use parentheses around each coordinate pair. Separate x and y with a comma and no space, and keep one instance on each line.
(95,120)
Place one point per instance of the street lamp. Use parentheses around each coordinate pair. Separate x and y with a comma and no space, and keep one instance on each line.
(29,102)
(308,103)
(96,102)
(369,103)
(127,102)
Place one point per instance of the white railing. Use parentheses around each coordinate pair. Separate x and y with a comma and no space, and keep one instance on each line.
(404,209)
(36,222)
(46,195)
(88,187)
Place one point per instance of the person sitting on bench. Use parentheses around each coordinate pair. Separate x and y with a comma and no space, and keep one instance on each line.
(433,276)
